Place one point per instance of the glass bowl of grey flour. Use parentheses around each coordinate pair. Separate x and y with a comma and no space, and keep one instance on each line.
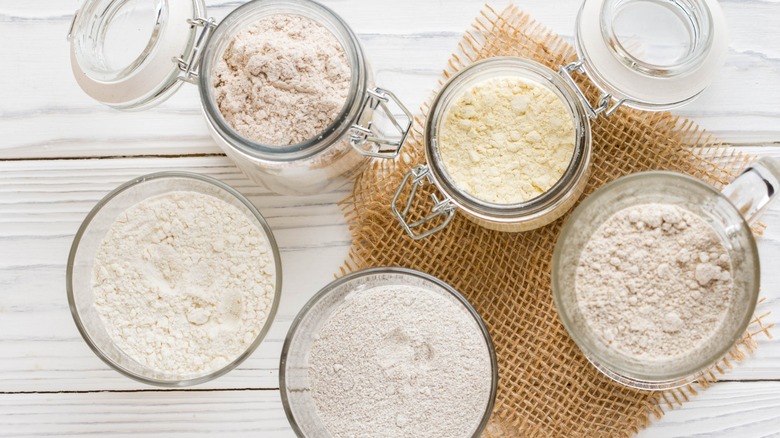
(656,275)
(388,352)
(174,279)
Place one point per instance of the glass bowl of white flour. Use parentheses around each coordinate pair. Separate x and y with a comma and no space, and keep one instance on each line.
(174,279)
(388,352)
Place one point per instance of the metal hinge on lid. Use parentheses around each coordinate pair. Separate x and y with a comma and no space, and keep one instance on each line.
(442,208)
(603,106)
(189,66)
(373,144)
(72,26)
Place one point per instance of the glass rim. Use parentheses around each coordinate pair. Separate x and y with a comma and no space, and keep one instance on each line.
(154,75)
(330,287)
(551,198)
(615,371)
(340,126)
(83,228)
(701,36)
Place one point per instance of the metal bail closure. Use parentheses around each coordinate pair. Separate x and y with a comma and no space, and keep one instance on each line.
(364,135)
(605,99)
(189,67)
(418,177)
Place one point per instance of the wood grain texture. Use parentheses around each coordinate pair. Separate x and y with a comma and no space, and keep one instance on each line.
(46,121)
(148,414)
(729,410)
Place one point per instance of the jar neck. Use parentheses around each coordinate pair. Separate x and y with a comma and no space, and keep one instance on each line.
(243,17)
(680,30)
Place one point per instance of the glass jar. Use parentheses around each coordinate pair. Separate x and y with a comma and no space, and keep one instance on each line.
(618,50)
(730,213)
(512,217)
(176,44)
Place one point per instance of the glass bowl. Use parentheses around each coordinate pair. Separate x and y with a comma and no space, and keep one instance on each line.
(293,369)
(88,240)
(690,194)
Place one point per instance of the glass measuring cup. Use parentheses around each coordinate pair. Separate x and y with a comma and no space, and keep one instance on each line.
(730,213)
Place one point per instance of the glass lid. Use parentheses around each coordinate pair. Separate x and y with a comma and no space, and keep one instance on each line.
(651,54)
(130,54)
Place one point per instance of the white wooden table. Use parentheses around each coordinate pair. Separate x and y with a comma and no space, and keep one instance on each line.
(60,153)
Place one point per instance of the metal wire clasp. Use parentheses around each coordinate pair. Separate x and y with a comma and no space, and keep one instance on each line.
(189,66)
(604,100)
(72,25)
(370,143)
(418,177)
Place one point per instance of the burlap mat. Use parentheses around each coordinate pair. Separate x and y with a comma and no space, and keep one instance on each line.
(547,387)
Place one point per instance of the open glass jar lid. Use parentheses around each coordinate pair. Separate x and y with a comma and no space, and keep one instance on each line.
(507,140)
(128,54)
(650,54)
(300,122)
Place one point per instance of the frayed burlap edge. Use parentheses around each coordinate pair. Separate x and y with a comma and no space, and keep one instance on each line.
(514,33)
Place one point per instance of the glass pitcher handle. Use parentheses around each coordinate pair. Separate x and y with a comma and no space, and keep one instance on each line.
(755,188)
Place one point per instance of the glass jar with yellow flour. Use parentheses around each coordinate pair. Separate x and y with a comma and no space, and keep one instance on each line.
(507,140)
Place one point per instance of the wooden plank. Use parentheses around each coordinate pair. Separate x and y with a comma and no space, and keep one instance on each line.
(44,113)
(726,410)
(148,413)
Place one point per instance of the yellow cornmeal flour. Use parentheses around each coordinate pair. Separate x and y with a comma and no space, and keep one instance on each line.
(506,140)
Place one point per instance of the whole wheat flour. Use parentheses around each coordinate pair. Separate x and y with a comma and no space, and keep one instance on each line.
(283,80)
(400,361)
(183,282)
(507,140)
(654,281)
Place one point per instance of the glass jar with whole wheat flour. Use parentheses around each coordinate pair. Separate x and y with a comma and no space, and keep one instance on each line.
(508,140)
(285,85)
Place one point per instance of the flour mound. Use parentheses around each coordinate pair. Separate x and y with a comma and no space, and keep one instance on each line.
(654,281)
(282,81)
(400,361)
(184,282)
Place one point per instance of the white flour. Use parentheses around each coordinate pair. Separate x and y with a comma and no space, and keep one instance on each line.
(507,140)
(400,361)
(654,281)
(282,80)
(183,282)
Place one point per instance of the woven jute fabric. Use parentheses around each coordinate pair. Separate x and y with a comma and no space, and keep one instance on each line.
(546,386)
